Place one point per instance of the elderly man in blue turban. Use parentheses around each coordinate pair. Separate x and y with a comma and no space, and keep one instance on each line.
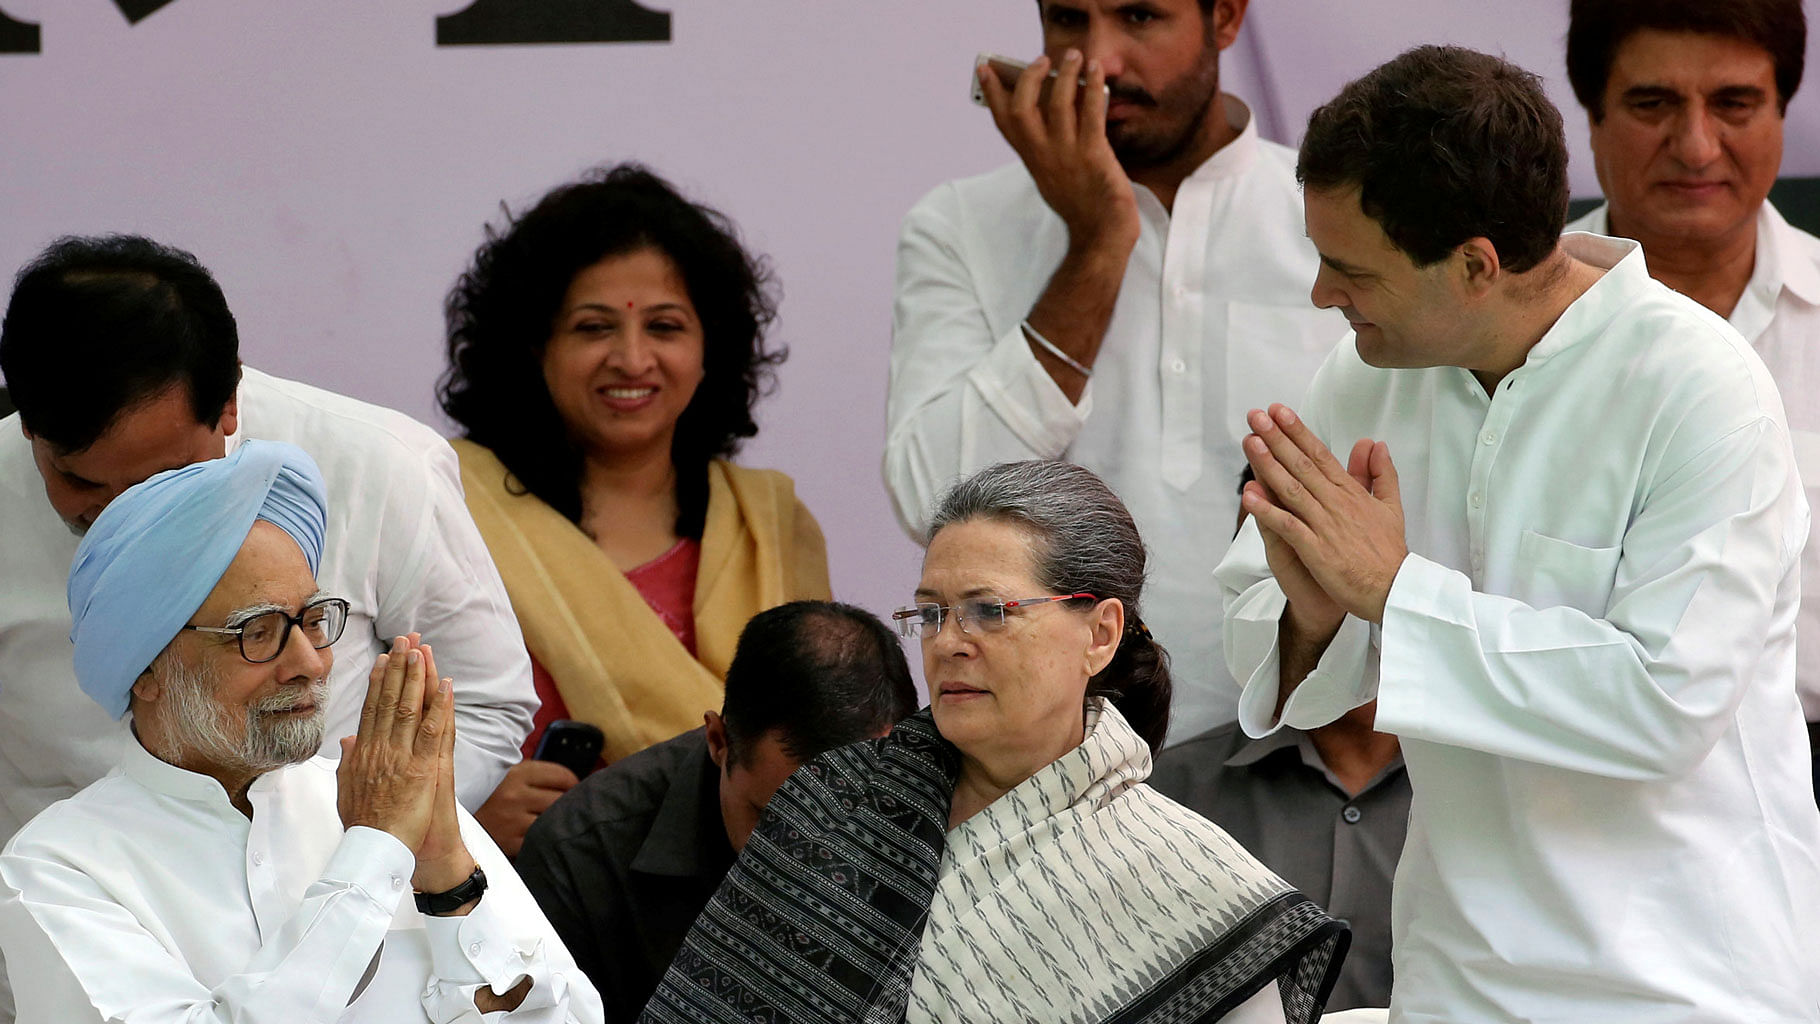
(222,872)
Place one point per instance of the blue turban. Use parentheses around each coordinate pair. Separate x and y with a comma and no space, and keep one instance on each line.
(157,550)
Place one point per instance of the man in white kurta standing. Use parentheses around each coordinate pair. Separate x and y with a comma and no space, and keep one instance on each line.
(223,872)
(1686,99)
(1117,297)
(1562,554)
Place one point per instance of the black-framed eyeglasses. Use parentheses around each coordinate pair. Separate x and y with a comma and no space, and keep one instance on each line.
(263,636)
(924,619)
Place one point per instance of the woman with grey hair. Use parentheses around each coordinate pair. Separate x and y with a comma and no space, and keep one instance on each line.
(998,857)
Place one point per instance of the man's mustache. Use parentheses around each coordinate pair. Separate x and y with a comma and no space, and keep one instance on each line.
(1130,94)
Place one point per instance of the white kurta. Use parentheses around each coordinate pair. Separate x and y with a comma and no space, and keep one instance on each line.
(1589,658)
(1779,314)
(1213,319)
(400,547)
(148,897)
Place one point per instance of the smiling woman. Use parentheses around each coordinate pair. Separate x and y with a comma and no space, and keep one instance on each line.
(606,349)
(905,879)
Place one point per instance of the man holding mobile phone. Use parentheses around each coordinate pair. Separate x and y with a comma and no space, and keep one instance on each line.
(1146,239)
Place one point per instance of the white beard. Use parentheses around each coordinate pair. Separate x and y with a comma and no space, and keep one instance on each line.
(202,727)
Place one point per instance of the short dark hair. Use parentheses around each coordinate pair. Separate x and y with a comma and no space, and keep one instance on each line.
(1206,6)
(1596,28)
(1445,144)
(502,310)
(98,325)
(820,674)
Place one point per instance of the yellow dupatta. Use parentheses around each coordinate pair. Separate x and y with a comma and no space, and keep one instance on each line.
(616,664)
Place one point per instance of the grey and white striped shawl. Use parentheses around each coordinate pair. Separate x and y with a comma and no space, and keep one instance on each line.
(1081,895)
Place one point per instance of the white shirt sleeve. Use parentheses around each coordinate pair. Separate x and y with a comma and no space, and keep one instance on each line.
(441,582)
(503,940)
(961,397)
(1252,603)
(1345,677)
(1642,693)
(89,958)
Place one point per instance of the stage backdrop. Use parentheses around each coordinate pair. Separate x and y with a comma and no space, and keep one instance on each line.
(334,162)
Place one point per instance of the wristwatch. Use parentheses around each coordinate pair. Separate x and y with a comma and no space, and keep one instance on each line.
(437,904)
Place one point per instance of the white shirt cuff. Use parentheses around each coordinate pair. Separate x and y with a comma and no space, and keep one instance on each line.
(479,949)
(1341,680)
(375,862)
(1419,601)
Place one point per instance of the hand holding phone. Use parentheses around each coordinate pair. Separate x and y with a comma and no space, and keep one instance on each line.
(1061,137)
(1008,71)
(572,744)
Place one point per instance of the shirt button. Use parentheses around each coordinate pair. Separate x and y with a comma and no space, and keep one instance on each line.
(258,858)
(1489,437)
(397,883)
(1181,291)
(1351,814)
(474,949)
(1179,366)
(1477,500)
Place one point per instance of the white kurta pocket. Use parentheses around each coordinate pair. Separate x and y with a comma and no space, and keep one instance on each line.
(1557,573)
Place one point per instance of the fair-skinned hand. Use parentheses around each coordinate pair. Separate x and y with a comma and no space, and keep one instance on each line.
(392,768)
(1064,147)
(1333,534)
(528,789)
(443,861)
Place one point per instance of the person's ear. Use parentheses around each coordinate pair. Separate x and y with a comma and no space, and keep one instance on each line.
(1479,266)
(230,416)
(1107,626)
(716,729)
(1227,16)
(147,687)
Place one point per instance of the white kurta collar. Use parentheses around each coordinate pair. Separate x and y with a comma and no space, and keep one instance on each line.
(1776,267)
(159,776)
(1626,276)
(1227,163)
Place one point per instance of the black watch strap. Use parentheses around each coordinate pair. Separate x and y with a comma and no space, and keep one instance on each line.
(438,903)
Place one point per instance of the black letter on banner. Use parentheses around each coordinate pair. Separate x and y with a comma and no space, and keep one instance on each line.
(17,36)
(138,10)
(517,22)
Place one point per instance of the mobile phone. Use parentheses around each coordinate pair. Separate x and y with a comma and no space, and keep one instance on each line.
(1008,71)
(574,745)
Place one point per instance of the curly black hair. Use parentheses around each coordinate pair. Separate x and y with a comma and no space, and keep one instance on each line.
(503,309)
